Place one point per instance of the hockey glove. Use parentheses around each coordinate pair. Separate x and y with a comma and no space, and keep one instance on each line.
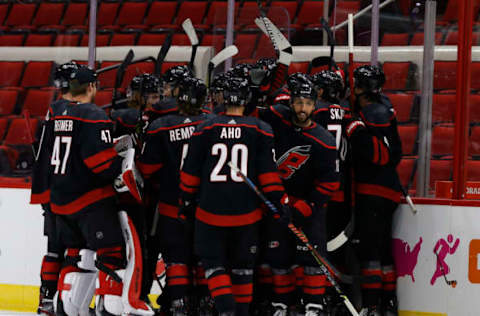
(353,126)
(186,213)
(301,212)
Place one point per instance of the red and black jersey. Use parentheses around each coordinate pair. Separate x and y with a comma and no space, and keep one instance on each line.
(165,147)
(40,193)
(305,157)
(377,150)
(223,198)
(83,160)
(126,121)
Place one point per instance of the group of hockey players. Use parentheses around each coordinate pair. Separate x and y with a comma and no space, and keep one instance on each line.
(156,181)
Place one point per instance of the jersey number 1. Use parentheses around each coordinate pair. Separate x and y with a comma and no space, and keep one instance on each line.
(56,160)
(238,156)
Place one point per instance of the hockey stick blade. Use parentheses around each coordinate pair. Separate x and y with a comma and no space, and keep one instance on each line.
(343,237)
(277,37)
(162,54)
(223,55)
(190,31)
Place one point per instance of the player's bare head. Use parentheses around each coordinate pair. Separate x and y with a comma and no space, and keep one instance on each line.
(236,92)
(62,76)
(302,100)
(192,93)
(172,78)
(329,85)
(83,84)
(368,83)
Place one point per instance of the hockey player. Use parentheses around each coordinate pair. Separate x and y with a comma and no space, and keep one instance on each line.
(305,154)
(84,164)
(41,194)
(216,92)
(376,150)
(226,211)
(165,149)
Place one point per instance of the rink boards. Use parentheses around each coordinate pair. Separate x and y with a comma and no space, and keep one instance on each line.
(421,291)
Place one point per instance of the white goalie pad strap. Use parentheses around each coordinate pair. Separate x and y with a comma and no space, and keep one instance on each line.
(87,260)
(131,177)
(77,293)
(122,144)
(337,242)
(133,272)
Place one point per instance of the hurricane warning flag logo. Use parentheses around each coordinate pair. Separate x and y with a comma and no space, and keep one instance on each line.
(292,160)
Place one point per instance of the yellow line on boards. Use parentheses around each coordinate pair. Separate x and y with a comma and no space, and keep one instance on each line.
(22,298)
(416,313)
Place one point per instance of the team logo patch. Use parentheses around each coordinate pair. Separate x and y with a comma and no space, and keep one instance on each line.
(99,235)
(273,244)
(253,249)
(292,160)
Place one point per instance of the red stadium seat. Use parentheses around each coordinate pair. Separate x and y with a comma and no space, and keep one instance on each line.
(137,69)
(132,13)
(48,13)
(343,8)
(8,100)
(474,142)
(151,39)
(443,108)
(103,97)
(67,40)
(194,10)
(101,40)
(3,127)
(314,70)
(442,140)
(21,14)
(247,13)
(12,40)
(264,47)
(217,14)
(76,14)
(397,75)
(215,40)
(419,38)
(452,38)
(18,133)
(310,12)
(402,103)
(404,170)
(166,66)
(123,39)
(395,39)
(107,13)
(474,108)
(289,6)
(475,78)
(3,12)
(39,40)
(408,135)
(180,40)
(37,101)
(298,67)
(107,79)
(440,170)
(246,44)
(37,74)
(161,12)
(451,13)
(445,75)
(10,73)
(473,170)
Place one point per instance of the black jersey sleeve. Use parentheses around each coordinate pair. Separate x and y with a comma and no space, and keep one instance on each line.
(97,151)
(151,159)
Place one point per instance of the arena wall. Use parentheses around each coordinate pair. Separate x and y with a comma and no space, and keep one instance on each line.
(22,247)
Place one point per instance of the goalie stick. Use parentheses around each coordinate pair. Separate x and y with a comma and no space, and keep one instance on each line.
(219,58)
(192,36)
(325,266)
(279,41)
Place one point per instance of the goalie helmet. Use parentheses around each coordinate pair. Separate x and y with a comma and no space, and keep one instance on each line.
(369,78)
(300,86)
(175,74)
(192,92)
(63,73)
(332,84)
(236,92)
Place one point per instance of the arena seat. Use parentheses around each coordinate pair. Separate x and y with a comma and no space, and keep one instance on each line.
(8,100)
(264,47)
(37,101)
(137,69)
(298,67)
(195,10)
(246,44)
(67,40)
(440,170)
(75,15)
(309,13)
(48,13)
(39,40)
(403,104)
(161,14)
(443,108)
(395,39)
(37,74)
(475,78)
(3,12)
(151,39)
(398,75)
(180,40)
(132,13)
(3,127)
(18,133)
(21,14)
(452,38)
(123,39)
(451,13)
(12,39)
(289,6)
(344,8)
(10,73)
(215,40)
(442,140)
(100,40)
(107,13)
(107,79)
(445,75)
(408,135)
(474,142)
(474,108)
(217,14)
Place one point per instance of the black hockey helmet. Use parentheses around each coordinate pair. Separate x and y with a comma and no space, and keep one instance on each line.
(145,83)
(297,79)
(241,70)
(175,74)
(220,82)
(62,74)
(369,78)
(236,92)
(192,92)
(331,82)
(301,86)
(262,72)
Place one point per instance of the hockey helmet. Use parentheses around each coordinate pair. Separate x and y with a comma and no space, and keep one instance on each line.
(369,78)
(220,82)
(331,82)
(236,92)
(175,74)
(192,91)
(145,83)
(63,73)
(300,86)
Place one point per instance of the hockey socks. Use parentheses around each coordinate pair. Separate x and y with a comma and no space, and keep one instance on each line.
(178,280)
(314,283)
(372,291)
(242,288)
(220,286)
(49,274)
(283,286)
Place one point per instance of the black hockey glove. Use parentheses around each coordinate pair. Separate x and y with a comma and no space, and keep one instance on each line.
(301,212)
(284,214)
(186,213)
(354,124)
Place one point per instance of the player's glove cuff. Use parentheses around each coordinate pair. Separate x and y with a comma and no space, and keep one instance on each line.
(354,126)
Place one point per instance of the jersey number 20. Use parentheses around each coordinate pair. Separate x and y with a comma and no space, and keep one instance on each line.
(238,157)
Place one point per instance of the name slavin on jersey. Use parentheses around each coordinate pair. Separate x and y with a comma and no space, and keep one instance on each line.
(181,133)
(231,132)
(63,126)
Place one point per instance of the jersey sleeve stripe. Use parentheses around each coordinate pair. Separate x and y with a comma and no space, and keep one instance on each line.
(269,178)
(303,208)
(228,220)
(378,190)
(103,166)
(320,142)
(148,169)
(66,117)
(100,158)
(121,121)
(167,210)
(187,189)
(40,198)
(189,180)
(84,200)
(273,188)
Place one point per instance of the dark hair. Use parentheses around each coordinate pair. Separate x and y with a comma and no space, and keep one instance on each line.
(78,89)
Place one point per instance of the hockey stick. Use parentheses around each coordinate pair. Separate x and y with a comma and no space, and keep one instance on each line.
(452,283)
(326,268)
(343,237)
(26,113)
(120,74)
(219,58)
(279,41)
(192,36)
(322,61)
(331,40)
(162,54)
(350,59)
(407,197)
